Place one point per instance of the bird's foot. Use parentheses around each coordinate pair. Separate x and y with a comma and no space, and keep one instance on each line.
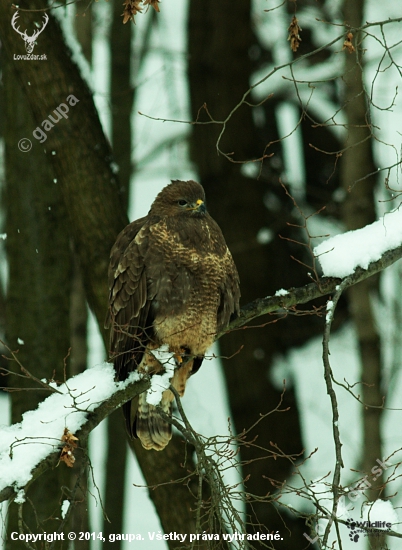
(183,357)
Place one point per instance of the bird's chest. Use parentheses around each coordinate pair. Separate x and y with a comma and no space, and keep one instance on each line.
(190,282)
(187,295)
(185,272)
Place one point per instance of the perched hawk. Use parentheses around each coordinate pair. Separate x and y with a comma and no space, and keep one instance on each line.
(173,284)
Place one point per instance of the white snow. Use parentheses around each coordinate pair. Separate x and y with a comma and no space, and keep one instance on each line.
(24,445)
(20,498)
(281,292)
(164,356)
(330,312)
(64,508)
(381,510)
(160,383)
(339,256)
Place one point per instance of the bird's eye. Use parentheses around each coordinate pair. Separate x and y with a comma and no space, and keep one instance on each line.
(182,202)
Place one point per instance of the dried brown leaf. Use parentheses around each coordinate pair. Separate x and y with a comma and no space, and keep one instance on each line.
(153,3)
(131,8)
(347,45)
(294,36)
(67,452)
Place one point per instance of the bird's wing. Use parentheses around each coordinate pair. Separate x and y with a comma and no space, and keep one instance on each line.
(129,304)
(230,292)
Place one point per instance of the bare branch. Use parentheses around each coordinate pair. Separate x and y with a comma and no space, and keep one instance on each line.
(334,405)
(259,307)
(307,293)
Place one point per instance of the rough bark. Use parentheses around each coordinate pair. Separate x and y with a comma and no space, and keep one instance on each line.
(76,148)
(37,300)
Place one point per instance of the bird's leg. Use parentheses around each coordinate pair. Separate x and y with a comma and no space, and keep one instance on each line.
(183,356)
(150,364)
(182,374)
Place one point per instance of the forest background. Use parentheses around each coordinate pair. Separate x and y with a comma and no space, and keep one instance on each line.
(284,127)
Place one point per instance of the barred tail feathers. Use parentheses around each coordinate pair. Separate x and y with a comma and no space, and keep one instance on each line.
(151,429)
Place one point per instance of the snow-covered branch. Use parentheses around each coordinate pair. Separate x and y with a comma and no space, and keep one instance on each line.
(29,448)
(287,299)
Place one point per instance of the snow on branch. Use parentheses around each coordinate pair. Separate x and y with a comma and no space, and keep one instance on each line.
(340,247)
(326,285)
(342,254)
(29,448)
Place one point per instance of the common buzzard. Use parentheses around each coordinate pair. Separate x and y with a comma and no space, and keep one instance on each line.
(173,284)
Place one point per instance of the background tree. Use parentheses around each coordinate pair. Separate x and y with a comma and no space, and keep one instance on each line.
(219,73)
(40,268)
(91,194)
(227,50)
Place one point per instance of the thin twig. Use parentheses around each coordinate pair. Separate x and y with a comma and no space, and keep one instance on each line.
(334,405)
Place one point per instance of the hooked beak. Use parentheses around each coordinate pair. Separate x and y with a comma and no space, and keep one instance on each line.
(198,206)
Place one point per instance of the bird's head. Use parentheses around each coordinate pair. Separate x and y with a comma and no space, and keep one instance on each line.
(180,198)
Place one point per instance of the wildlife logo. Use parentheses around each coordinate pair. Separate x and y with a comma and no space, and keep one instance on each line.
(366,528)
(30,40)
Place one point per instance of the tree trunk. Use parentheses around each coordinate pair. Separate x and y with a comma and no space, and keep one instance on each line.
(358,211)
(122,96)
(37,301)
(122,99)
(83,28)
(219,39)
(75,147)
(175,502)
(78,363)
(81,160)
(79,307)
(3,361)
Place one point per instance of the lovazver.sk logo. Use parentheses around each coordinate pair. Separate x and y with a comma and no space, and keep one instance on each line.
(30,40)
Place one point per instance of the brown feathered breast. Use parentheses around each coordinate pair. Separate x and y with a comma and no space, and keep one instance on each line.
(172,282)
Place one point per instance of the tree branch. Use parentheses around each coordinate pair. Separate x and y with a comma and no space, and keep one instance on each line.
(94,418)
(270,304)
(307,293)
(334,405)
